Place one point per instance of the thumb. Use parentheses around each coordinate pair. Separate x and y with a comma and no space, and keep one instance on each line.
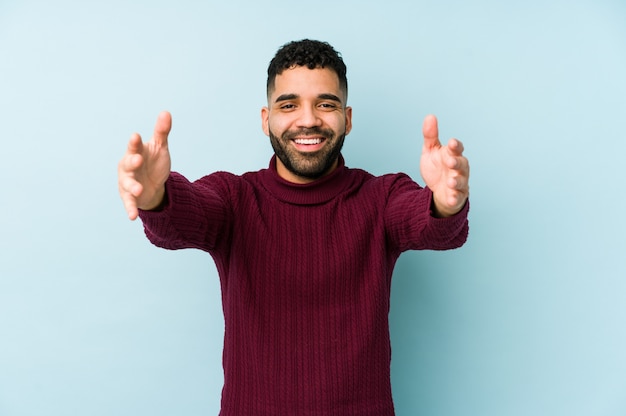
(162,128)
(430,132)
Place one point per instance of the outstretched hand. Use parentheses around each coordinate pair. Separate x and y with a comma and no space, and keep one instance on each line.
(445,170)
(144,168)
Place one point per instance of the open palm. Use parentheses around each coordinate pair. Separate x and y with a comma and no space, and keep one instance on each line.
(145,167)
(444,169)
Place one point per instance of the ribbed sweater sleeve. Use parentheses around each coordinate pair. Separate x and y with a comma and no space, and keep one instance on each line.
(411,224)
(193,215)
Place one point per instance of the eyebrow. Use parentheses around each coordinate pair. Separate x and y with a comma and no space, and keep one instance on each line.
(331,97)
(286,97)
(324,96)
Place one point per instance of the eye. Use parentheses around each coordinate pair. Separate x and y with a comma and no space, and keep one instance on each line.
(287,106)
(328,106)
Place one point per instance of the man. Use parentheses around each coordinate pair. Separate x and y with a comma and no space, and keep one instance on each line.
(305,248)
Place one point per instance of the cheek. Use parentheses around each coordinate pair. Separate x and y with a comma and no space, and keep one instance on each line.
(278,125)
(337,123)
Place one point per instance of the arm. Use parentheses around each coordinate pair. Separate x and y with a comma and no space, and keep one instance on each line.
(144,168)
(411,223)
(174,211)
(445,171)
(193,214)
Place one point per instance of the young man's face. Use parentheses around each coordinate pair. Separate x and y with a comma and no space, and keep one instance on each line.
(306,120)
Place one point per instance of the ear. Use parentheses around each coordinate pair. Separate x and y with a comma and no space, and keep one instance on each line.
(348,112)
(265,117)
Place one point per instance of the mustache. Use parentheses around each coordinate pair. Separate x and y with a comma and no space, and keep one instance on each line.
(308,131)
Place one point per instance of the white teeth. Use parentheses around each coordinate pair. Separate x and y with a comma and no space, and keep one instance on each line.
(308,141)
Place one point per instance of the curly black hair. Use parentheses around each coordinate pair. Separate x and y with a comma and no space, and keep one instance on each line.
(310,53)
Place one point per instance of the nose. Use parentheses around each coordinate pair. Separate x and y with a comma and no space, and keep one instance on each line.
(309,117)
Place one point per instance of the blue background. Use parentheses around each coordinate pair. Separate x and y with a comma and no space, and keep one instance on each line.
(529,318)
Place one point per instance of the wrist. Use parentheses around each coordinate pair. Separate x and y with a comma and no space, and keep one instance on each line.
(157,202)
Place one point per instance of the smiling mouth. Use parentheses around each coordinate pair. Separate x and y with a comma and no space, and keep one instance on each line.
(312,141)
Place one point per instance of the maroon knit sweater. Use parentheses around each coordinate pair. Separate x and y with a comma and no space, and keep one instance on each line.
(305,272)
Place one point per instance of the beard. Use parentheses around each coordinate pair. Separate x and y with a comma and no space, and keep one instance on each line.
(309,165)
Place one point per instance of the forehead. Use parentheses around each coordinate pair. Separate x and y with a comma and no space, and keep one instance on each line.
(303,81)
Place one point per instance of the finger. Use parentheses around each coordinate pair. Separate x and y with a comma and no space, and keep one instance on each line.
(128,199)
(456,196)
(430,130)
(135,145)
(162,128)
(130,204)
(463,166)
(133,214)
(129,185)
(456,146)
(456,200)
(451,202)
(457,163)
(458,183)
(130,163)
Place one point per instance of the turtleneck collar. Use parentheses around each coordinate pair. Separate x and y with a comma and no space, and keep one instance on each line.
(317,192)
